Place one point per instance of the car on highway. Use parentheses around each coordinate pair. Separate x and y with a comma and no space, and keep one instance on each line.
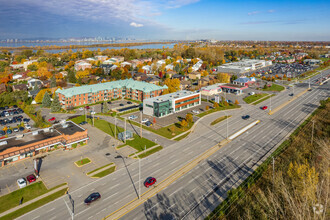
(245,117)
(52,119)
(195,111)
(150,181)
(31,178)
(83,123)
(264,107)
(132,117)
(291,94)
(92,197)
(21,182)
(145,120)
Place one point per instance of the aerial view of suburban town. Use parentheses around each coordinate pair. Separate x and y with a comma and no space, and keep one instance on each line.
(164,110)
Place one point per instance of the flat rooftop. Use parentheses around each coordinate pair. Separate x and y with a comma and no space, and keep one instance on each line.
(233,86)
(39,135)
(170,96)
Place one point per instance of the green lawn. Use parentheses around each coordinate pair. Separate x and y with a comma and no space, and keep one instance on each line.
(82,162)
(139,143)
(175,129)
(99,168)
(254,97)
(263,99)
(152,151)
(230,106)
(28,193)
(33,206)
(274,87)
(216,121)
(105,172)
(78,119)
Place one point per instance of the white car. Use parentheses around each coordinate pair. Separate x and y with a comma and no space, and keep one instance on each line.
(21,182)
(195,111)
(145,120)
(132,117)
(252,93)
(28,126)
(81,108)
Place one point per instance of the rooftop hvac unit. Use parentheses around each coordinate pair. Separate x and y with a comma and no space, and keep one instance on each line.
(35,133)
(19,136)
(65,125)
(46,130)
(3,143)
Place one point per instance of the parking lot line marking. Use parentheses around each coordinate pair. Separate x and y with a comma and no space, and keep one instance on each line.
(8,188)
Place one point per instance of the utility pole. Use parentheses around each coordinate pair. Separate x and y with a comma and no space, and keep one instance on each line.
(72,203)
(312,132)
(139,176)
(93,113)
(125,131)
(115,126)
(141,124)
(270,106)
(309,83)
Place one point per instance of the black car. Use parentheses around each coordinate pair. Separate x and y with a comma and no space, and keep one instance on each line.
(109,102)
(83,122)
(121,104)
(245,117)
(21,128)
(15,106)
(291,94)
(2,132)
(129,102)
(26,119)
(92,197)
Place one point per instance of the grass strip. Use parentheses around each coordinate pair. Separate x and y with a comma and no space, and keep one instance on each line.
(254,97)
(105,172)
(99,168)
(216,121)
(230,106)
(182,136)
(274,87)
(152,151)
(28,193)
(82,162)
(261,100)
(34,205)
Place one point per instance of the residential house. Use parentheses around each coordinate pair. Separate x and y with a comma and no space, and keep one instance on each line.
(170,74)
(312,62)
(194,75)
(32,83)
(90,59)
(153,80)
(147,69)
(117,59)
(106,68)
(169,67)
(27,63)
(211,90)
(107,62)
(82,65)
(101,58)
(160,62)
(20,87)
(178,76)
(46,83)
(17,76)
(197,65)
(3,88)
(123,64)
(64,73)
(184,85)
(16,66)
(205,81)
(140,76)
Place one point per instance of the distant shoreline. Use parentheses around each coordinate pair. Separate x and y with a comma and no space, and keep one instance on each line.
(68,47)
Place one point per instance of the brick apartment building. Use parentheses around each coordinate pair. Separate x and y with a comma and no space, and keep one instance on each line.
(89,94)
(26,145)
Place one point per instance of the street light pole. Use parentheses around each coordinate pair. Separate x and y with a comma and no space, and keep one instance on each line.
(270,106)
(125,132)
(141,124)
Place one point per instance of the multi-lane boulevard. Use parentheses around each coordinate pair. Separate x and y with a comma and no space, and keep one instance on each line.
(197,192)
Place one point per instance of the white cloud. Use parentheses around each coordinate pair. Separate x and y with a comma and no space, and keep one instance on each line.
(133,24)
(271,11)
(253,12)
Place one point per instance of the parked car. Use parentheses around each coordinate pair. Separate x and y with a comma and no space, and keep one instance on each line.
(132,117)
(83,122)
(150,181)
(21,182)
(149,123)
(145,120)
(27,126)
(129,102)
(92,197)
(252,93)
(81,109)
(52,119)
(31,178)
(2,132)
(21,128)
(291,94)
(16,130)
(26,119)
(14,106)
(245,117)
(87,107)
(9,131)
(195,111)
(264,107)
(121,104)
(109,102)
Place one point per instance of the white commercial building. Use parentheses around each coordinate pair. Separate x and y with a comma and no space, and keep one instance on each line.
(243,66)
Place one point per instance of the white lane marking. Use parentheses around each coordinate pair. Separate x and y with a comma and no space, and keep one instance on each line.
(111,196)
(51,210)
(174,161)
(158,170)
(82,211)
(236,158)
(114,186)
(53,218)
(36,217)
(175,191)
(90,217)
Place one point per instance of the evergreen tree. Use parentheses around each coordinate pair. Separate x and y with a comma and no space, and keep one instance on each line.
(56,106)
(52,82)
(71,76)
(46,102)
(105,108)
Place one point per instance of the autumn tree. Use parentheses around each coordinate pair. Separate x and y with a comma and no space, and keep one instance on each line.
(105,108)
(52,82)
(43,73)
(82,74)
(216,105)
(172,84)
(189,118)
(39,97)
(223,77)
(184,123)
(236,102)
(207,107)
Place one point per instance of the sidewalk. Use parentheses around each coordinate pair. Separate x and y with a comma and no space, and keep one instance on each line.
(33,200)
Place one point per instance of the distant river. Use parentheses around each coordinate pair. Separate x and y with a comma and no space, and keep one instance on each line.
(146,46)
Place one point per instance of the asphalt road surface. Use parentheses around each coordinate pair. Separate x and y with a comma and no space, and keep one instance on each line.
(198,192)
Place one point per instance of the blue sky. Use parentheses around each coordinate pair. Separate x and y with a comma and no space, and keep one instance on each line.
(167,19)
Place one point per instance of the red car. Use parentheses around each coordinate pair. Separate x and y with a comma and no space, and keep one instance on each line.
(150,181)
(52,119)
(31,178)
(87,107)
(264,107)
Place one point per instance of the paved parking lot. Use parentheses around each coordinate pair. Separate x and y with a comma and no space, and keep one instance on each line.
(12,119)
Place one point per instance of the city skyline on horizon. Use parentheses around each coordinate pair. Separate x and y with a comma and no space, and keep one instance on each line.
(166,20)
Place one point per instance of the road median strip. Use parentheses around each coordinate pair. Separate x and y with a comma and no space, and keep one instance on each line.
(175,176)
(287,102)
